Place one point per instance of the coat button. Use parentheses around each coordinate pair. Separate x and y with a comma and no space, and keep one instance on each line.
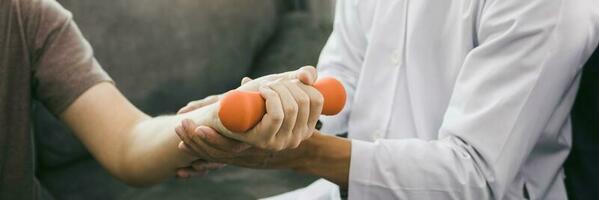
(377,135)
(396,57)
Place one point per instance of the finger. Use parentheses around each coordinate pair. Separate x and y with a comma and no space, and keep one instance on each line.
(306,75)
(189,126)
(290,109)
(214,166)
(199,165)
(199,139)
(183,173)
(190,107)
(198,104)
(316,103)
(185,132)
(271,122)
(202,165)
(183,136)
(303,102)
(188,172)
(193,172)
(210,137)
(245,80)
(183,147)
(199,148)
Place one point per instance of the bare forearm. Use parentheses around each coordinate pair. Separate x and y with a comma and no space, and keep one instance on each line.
(153,154)
(327,157)
(135,148)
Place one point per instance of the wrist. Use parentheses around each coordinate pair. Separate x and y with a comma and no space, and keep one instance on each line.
(205,116)
(325,156)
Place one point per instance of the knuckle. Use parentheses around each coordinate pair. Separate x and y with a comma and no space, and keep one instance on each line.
(296,144)
(274,145)
(291,109)
(308,134)
(278,147)
(277,118)
(303,100)
(262,146)
(318,99)
(298,132)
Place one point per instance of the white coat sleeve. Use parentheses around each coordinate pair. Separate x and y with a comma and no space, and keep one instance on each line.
(342,58)
(528,56)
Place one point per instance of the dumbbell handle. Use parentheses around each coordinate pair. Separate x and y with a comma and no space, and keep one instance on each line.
(241,110)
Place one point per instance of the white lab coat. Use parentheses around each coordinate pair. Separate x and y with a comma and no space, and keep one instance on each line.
(458,99)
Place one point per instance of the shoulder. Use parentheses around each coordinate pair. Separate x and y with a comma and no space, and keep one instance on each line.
(36,13)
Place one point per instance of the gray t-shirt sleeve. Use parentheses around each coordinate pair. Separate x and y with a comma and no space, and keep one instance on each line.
(64,66)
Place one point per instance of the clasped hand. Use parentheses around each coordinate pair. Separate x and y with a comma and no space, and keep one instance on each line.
(293,107)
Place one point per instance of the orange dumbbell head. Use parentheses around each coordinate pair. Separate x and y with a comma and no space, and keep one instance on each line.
(241,110)
(333,94)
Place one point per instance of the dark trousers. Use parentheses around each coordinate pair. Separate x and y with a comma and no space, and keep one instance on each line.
(582,166)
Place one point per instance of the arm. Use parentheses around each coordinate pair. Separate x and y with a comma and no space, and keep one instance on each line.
(525,64)
(509,88)
(134,147)
(141,150)
(321,155)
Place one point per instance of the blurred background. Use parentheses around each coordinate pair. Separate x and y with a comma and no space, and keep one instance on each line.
(163,54)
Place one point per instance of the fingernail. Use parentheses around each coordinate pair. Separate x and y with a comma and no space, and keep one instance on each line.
(181,146)
(182,174)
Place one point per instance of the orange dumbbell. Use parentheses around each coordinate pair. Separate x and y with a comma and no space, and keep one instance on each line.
(241,110)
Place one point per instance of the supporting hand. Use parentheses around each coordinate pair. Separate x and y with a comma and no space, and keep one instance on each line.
(198,167)
(207,144)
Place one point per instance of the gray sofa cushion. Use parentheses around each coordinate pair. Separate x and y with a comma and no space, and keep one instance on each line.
(162,54)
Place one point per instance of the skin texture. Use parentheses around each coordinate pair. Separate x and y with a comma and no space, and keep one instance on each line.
(141,150)
(320,155)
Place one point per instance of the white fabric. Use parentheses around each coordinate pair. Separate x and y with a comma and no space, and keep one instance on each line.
(458,99)
(319,190)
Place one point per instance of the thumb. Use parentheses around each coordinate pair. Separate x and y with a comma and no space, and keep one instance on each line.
(306,75)
(245,80)
(198,104)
